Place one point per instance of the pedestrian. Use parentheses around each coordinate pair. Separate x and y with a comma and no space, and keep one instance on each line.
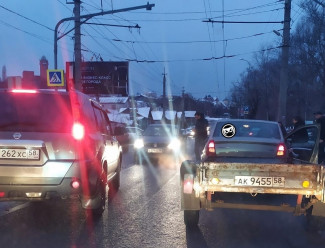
(301,135)
(201,134)
(320,119)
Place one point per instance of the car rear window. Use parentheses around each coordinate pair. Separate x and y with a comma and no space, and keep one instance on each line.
(163,130)
(35,112)
(251,129)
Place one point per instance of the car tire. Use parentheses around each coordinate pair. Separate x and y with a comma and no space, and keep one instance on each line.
(101,192)
(114,184)
(191,217)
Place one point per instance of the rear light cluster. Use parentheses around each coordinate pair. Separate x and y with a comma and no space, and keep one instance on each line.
(78,131)
(75,183)
(211,149)
(281,150)
(188,184)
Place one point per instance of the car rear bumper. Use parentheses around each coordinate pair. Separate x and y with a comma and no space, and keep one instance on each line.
(39,192)
(52,180)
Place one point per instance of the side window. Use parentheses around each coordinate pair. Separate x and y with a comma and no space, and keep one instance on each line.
(87,113)
(302,143)
(108,125)
(100,120)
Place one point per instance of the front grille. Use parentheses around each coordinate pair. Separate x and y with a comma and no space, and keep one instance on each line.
(156,145)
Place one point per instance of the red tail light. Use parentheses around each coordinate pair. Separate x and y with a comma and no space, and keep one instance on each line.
(75,183)
(211,148)
(281,150)
(188,184)
(78,131)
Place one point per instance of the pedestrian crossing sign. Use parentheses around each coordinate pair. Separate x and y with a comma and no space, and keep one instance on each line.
(55,78)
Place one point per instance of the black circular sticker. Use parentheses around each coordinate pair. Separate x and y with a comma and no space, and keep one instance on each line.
(228,130)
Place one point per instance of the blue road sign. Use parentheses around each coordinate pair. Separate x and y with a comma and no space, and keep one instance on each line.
(55,78)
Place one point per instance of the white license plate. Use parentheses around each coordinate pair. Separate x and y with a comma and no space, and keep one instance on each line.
(259,181)
(155,150)
(19,153)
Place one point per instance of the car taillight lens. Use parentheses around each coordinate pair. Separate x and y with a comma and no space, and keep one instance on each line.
(78,131)
(211,148)
(188,184)
(281,150)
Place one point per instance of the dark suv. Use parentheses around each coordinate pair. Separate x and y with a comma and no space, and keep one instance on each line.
(56,144)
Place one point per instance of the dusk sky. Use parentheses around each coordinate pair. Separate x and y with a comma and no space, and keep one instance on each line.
(173,37)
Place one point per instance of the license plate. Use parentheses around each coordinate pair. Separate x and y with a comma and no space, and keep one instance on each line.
(19,154)
(155,150)
(259,181)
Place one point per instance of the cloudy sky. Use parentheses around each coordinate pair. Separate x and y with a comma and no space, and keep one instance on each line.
(198,56)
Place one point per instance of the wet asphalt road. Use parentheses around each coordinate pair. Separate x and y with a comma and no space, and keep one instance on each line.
(146,213)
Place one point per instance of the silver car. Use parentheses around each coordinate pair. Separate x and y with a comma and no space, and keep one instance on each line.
(56,144)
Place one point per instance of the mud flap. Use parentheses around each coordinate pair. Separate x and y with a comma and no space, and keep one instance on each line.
(318,209)
(188,201)
(315,217)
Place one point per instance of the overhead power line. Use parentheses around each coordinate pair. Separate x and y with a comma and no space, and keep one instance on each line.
(197,41)
(243,22)
(202,59)
(211,11)
(113,25)
(51,29)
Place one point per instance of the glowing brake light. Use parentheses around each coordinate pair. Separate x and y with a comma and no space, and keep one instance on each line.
(211,148)
(78,131)
(281,150)
(23,91)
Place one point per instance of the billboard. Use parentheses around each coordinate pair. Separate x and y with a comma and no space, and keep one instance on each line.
(102,78)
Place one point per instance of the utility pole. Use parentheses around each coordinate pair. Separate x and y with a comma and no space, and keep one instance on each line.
(77,46)
(282,103)
(183,109)
(164,94)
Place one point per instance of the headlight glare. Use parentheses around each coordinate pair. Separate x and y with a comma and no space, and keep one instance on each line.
(175,144)
(138,143)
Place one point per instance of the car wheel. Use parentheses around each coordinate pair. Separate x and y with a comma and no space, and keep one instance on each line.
(191,217)
(101,193)
(114,184)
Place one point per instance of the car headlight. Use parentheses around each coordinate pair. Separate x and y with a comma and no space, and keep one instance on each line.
(138,143)
(175,144)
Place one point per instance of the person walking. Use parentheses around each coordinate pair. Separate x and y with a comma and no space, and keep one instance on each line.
(201,134)
(320,119)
